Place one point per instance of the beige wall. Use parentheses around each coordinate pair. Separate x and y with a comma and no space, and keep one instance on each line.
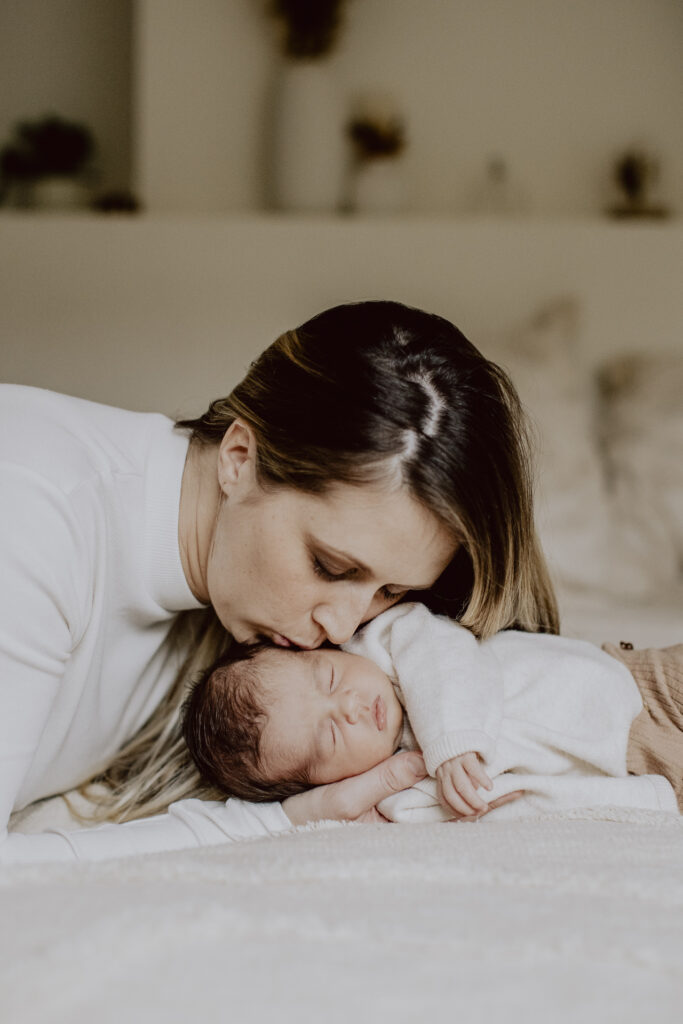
(164,313)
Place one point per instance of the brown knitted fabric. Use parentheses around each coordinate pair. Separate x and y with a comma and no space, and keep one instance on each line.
(655,742)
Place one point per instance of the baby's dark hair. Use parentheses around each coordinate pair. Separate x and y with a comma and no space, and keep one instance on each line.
(223,719)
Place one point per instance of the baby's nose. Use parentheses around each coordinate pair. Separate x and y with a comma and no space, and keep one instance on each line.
(350,706)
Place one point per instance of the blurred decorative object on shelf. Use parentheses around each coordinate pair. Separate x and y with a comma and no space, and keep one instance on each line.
(116,201)
(45,165)
(378,137)
(499,195)
(376,134)
(310,27)
(634,173)
(307,159)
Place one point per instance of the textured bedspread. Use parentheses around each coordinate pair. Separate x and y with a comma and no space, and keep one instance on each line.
(576,918)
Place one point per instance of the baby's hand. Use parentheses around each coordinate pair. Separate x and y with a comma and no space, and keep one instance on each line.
(457,783)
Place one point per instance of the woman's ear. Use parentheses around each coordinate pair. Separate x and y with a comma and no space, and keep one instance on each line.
(237,457)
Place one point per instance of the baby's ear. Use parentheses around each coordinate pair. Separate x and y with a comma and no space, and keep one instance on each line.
(237,458)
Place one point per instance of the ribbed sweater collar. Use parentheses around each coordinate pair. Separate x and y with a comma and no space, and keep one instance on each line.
(163,570)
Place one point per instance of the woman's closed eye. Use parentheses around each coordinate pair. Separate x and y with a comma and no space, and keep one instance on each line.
(327,573)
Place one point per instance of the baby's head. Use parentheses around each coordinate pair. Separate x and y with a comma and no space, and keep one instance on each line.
(265,722)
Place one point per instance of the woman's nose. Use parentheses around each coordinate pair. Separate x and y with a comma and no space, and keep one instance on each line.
(340,619)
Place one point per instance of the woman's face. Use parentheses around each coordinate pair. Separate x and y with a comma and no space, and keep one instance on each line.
(299,569)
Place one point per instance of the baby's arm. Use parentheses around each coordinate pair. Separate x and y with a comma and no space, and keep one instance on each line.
(453,693)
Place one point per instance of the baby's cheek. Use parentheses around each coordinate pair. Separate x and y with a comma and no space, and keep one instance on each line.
(374,753)
(358,757)
(337,766)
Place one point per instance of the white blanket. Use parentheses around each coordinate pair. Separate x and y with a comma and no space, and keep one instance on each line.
(573,918)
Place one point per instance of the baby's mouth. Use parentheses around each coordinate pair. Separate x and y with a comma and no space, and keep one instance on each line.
(379,713)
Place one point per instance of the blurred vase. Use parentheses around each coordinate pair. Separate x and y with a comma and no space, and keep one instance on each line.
(379,186)
(308,141)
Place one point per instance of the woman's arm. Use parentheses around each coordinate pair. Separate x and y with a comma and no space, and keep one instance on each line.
(193,823)
(356,799)
(40,556)
(187,824)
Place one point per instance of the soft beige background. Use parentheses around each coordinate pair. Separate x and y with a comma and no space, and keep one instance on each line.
(179,91)
(166,312)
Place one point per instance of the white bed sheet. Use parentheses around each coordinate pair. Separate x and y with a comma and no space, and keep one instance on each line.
(571,919)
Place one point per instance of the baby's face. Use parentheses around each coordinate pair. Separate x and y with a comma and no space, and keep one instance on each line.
(334,712)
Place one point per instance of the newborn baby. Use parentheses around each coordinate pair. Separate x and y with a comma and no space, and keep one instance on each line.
(559,718)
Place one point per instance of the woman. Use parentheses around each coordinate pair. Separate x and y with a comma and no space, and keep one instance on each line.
(369,455)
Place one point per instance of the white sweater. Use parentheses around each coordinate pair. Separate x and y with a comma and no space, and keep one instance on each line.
(547,714)
(91,580)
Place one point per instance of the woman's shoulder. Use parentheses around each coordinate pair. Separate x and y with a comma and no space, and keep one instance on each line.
(65,440)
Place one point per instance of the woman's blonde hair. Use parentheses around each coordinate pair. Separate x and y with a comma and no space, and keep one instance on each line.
(369,392)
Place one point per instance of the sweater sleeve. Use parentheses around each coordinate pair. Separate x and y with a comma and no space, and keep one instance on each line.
(543,795)
(40,615)
(451,684)
(187,824)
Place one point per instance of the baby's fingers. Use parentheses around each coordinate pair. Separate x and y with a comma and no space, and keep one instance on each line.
(507,799)
(476,771)
(461,794)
